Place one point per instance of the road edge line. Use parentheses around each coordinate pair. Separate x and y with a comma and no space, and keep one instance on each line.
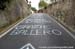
(63,28)
(2,35)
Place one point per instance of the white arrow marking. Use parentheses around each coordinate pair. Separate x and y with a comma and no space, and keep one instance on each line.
(27,46)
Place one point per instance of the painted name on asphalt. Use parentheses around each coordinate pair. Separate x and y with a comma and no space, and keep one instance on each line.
(35,30)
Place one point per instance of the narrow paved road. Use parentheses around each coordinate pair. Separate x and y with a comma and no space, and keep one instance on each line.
(38,31)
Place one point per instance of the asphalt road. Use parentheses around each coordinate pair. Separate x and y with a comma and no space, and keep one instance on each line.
(38,31)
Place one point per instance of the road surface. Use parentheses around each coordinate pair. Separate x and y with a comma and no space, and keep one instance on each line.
(38,31)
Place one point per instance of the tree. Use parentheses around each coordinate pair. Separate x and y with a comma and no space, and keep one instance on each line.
(42,4)
(33,8)
(53,1)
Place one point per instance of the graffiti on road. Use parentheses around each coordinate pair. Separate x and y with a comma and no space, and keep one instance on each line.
(35,30)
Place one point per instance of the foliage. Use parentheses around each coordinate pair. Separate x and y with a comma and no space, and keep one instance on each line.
(34,9)
(53,1)
(42,4)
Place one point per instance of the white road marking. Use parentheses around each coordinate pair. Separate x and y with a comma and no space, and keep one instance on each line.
(44,29)
(31,32)
(37,32)
(59,32)
(56,47)
(16,28)
(27,46)
(44,26)
(13,27)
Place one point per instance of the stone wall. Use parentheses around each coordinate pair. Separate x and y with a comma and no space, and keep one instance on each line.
(64,10)
(16,10)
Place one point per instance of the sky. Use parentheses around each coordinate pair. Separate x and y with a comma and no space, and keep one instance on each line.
(34,3)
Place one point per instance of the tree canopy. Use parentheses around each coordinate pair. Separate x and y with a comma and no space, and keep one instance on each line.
(53,1)
(33,8)
(42,4)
